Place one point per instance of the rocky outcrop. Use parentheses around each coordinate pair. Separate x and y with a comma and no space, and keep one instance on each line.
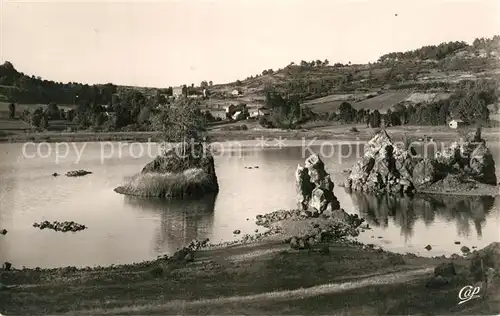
(388,168)
(315,187)
(181,172)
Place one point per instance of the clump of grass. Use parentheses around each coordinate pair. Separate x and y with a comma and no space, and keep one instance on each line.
(156,271)
(191,182)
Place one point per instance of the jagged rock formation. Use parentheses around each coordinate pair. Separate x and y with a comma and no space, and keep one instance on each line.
(184,171)
(315,187)
(387,168)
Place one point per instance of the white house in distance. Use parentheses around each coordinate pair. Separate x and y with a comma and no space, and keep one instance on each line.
(456,123)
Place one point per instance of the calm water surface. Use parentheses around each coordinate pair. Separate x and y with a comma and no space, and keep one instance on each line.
(124,229)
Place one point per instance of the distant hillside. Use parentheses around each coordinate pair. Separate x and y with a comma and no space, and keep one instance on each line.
(416,76)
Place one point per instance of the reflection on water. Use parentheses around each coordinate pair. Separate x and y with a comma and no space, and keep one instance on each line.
(405,212)
(180,221)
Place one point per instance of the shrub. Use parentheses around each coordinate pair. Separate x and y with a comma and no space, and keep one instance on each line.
(191,182)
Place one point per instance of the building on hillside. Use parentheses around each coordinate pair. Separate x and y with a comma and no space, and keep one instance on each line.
(456,123)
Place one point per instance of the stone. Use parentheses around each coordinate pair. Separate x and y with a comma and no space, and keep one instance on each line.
(324,250)
(236,231)
(189,257)
(3,231)
(428,247)
(314,188)
(304,186)
(7,266)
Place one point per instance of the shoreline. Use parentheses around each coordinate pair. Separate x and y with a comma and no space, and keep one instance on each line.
(253,276)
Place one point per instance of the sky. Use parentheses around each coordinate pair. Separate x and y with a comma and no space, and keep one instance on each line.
(169,43)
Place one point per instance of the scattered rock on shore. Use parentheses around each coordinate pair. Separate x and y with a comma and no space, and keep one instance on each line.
(77,173)
(55,174)
(66,226)
(3,231)
(236,231)
(428,247)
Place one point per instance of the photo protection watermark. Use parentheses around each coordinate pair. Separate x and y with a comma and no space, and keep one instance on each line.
(468,293)
(340,151)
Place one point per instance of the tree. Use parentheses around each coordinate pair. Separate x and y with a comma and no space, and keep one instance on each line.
(12,110)
(326,62)
(204,84)
(319,63)
(211,83)
(44,122)
(375,119)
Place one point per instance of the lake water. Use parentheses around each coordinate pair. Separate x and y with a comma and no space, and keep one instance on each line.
(124,229)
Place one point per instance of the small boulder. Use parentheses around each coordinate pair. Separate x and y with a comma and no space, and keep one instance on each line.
(237,232)
(428,247)
(3,231)
(302,244)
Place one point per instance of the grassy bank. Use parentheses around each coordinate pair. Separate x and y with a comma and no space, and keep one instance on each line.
(344,132)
